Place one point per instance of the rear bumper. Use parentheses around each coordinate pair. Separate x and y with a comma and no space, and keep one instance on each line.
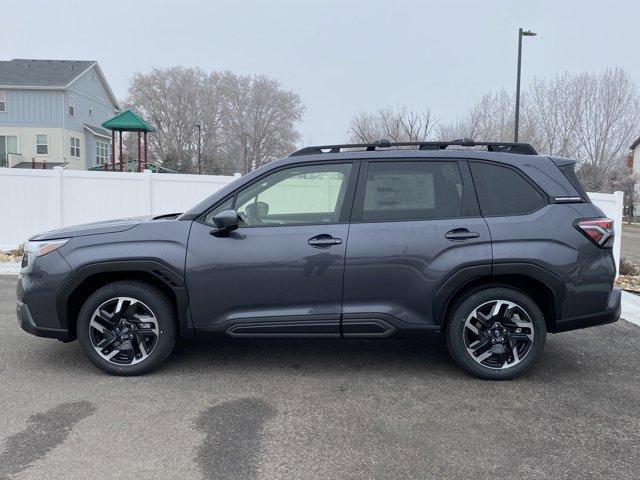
(611,314)
(25,320)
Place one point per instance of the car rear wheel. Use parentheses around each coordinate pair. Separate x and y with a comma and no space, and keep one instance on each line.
(496,333)
(127,328)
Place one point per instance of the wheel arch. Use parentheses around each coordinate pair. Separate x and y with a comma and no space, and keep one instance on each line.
(89,278)
(546,289)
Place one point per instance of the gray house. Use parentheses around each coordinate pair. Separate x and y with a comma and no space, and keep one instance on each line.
(51,111)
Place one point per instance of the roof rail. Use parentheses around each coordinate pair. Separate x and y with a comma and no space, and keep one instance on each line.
(505,147)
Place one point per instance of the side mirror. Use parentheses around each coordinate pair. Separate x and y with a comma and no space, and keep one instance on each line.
(225,221)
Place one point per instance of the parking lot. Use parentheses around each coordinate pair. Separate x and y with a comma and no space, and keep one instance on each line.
(303,409)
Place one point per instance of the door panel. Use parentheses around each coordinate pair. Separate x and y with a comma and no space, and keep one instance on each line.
(415,224)
(266,274)
(281,272)
(395,268)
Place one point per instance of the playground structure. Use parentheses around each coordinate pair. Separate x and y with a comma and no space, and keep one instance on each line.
(128,121)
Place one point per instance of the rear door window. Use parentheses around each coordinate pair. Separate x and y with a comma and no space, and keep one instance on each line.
(415,190)
(503,191)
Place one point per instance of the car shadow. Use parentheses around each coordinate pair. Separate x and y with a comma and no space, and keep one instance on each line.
(419,355)
(305,353)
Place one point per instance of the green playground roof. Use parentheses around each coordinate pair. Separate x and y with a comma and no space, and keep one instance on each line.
(128,121)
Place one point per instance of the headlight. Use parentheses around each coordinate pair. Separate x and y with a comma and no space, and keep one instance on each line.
(42,248)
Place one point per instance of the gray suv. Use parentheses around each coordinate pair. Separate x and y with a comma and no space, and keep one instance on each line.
(490,244)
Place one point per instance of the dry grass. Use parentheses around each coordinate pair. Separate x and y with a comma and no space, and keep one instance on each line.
(629,278)
(630,283)
(628,267)
(11,256)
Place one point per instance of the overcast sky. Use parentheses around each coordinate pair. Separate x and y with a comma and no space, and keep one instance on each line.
(340,56)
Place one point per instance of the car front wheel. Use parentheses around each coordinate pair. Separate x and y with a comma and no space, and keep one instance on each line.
(496,333)
(127,328)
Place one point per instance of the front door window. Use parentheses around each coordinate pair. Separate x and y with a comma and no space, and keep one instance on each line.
(301,195)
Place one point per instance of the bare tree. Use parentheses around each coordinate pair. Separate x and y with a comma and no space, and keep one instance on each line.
(168,99)
(590,117)
(259,120)
(399,124)
(490,119)
(457,129)
(608,117)
(623,179)
(246,121)
(551,115)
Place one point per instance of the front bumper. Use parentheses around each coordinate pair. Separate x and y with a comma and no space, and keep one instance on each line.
(25,320)
(611,314)
(37,295)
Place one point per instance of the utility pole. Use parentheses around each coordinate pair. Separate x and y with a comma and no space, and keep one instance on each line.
(199,127)
(521,33)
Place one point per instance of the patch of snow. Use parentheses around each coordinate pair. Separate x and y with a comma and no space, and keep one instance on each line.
(9,268)
(630,307)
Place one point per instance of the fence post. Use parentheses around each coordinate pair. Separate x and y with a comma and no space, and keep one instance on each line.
(58,197)
(617,226)
(148,189)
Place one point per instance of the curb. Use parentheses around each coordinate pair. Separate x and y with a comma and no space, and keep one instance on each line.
(631,307)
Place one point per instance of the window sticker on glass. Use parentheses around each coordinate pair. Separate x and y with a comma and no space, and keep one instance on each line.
(402,191)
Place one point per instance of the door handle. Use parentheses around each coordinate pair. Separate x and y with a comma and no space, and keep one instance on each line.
(458,234)
(324,241)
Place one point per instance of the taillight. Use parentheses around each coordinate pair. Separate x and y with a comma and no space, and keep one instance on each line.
(599,230)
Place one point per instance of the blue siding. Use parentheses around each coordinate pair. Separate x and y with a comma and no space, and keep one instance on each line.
(38,108)
(89,93)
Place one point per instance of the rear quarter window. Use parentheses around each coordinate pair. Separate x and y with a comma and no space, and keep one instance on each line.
(503,191)
(569,172)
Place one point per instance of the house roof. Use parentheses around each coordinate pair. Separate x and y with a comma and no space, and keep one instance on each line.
(41,73)
(635,144)
(99,131)
(128,121)
(53,74)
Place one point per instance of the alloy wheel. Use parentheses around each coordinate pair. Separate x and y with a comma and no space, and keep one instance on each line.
(498,334)
(124,331)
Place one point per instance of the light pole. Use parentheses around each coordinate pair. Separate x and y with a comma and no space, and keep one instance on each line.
(199,127)
(521,33)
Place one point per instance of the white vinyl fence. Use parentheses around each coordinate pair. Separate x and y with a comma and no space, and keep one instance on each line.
(39,200)
(612,205)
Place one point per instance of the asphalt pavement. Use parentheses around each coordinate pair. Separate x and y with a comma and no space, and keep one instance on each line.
(306,409)
(631,243)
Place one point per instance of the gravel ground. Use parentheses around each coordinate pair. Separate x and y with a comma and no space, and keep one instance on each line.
(302,409)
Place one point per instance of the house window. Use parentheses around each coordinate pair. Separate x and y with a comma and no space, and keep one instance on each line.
(72,105)
(3,101)
(75,147)
(102,152)
(42,144)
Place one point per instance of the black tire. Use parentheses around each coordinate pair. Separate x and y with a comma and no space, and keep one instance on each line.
(458,335)
(152,299)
